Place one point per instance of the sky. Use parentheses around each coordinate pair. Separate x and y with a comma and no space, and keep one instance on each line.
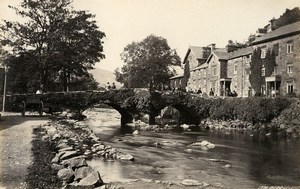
(181,22)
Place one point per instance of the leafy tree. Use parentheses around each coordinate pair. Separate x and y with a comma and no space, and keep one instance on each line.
(288,17)
(147,63)
(59,41)
(255,77)
(233,46)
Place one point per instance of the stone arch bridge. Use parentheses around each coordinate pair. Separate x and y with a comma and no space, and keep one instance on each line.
(130,103)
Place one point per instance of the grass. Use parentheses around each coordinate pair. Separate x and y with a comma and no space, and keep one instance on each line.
(40,174)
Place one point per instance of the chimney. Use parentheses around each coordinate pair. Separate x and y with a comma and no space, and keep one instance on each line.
(272,24)
(212,46)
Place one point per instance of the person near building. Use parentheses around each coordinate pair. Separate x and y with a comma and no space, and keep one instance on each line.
(113,86)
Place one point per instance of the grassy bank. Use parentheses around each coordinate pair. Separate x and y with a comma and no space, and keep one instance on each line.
(40,174)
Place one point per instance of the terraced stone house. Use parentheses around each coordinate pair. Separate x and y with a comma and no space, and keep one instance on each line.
(220,70)
(285,43)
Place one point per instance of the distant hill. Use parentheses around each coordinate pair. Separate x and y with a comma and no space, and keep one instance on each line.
(104,76)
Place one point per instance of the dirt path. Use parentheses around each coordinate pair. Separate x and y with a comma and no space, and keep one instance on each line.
(15,148)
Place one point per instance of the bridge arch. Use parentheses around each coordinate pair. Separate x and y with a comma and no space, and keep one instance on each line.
(186,115)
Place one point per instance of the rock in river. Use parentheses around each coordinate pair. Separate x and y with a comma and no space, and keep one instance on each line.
(190,182)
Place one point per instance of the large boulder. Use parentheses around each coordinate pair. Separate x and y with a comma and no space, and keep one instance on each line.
(75,162)
(68,154)
(91,179)
(82,172)
(57,157)
(128,157)
(190,182)
(66,175)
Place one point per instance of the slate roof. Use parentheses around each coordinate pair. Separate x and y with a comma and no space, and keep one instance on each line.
(240,52)
(283,31)
(205,65)
(198,51)
(221,54)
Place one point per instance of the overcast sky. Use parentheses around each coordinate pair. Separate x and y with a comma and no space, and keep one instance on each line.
(181,22)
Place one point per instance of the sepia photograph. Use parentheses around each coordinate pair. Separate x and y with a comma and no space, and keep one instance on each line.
(149,94)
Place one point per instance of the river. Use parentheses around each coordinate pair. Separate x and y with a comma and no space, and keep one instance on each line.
(237,161)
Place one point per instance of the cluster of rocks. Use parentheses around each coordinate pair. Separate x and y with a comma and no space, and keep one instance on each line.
(74,143)
(141,126)
(226,125)
(288,123)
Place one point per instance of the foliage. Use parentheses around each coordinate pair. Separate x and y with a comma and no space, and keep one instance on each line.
(186,75)
(255,77)
(269,63)
(55,42)
(40,173)
(288,17)
(233,46)
(147,63)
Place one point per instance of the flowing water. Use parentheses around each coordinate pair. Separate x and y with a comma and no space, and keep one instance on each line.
(237,161)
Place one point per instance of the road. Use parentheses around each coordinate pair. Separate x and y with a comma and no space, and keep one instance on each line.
(15,146)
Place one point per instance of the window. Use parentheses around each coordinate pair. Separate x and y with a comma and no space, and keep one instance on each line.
(263,71)
(275,71)
(247,71)
(214,70)
(263,53)
(235,68)
(289,69)
(290,47)
(290,88)
(213,85)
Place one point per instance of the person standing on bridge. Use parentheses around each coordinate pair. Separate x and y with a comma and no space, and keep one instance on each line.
(113,86)
(108,87)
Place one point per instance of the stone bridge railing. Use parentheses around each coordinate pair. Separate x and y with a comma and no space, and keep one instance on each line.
(132,103)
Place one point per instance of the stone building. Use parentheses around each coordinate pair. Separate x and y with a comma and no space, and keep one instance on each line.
(285,43)
(222,71)
(176,82)
(238,70)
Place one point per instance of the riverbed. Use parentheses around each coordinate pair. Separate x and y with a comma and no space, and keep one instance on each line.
(165,159)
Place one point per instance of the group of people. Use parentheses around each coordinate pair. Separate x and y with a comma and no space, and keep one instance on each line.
(212,93)
(108,86)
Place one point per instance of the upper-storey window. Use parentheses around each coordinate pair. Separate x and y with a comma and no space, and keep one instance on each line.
(263,71)
(235,68)
(289,69)
(263,52)
(214,71)
(289,47)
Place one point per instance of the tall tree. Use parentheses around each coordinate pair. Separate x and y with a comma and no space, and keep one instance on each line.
(59,41)
(147,63)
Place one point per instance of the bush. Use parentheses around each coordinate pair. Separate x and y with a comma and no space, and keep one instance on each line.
(255,110)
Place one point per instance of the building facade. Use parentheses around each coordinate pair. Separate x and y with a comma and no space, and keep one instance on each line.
(285,43)
(223,71)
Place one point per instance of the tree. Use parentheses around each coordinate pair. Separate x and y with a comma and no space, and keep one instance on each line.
(59,41)
(288,17)
(256,79)
(147,63)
